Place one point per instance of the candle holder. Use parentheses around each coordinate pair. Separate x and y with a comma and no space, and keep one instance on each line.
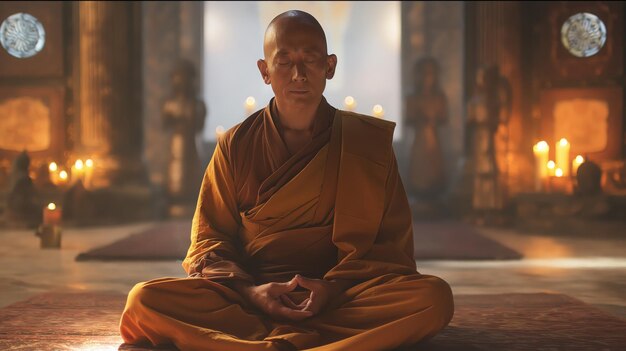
(50,236)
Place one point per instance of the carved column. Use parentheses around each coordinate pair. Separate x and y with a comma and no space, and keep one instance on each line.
(109,124)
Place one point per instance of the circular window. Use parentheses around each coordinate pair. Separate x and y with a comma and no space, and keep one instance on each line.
(22,35)
(583,34)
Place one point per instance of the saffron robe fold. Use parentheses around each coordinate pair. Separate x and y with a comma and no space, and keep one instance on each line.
(334,210)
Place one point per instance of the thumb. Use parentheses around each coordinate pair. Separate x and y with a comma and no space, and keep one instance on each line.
(281,288)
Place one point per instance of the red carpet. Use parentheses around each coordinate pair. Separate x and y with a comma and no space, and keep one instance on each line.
(511,322)
(433,241)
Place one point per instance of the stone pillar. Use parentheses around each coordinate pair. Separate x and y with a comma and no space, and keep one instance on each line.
(109,123)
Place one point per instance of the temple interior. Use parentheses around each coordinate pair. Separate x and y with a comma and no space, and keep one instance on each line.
(510,138)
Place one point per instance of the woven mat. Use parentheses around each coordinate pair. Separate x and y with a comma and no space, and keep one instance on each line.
(89,321)
(433,241)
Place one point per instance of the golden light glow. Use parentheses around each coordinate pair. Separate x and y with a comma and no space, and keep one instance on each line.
(558,172)
(79,164)
(250,101)
(541,146)
(63,175)
(52,206)
(579,159)
(563,142)
(551,164)
(89,162)
(377,109)
(53,167)
(349,100)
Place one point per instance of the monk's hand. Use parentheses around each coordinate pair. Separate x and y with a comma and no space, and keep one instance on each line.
(269,298)
(322,291)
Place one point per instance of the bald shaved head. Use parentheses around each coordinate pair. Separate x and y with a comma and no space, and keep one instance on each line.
(292,20)
(296,63)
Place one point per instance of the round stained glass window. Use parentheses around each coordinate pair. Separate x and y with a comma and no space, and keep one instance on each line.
(583,34)
(22,35)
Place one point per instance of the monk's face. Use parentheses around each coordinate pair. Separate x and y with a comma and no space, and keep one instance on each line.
(296,63)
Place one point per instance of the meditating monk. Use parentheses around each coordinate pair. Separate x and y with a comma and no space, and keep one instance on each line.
(302,235)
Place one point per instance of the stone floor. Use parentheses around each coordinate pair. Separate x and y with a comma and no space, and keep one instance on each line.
(592,270)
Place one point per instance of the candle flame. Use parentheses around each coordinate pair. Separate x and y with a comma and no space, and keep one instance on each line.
(89,162)
(53,167)
(52,206)
(79,164)
(63,175)
(558,172)
(563,142)
(377,109)
(250,101)
(551,164)
(349,100)
(541,146)
(579,159)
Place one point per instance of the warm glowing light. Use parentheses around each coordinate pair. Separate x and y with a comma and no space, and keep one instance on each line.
(89,162)
(250,101)
(563,142)
(558,172)
(52,206)
(551,164)
(541,146)
(349,100)
(377,109)
(79,164)
(579,159)
(53,167)
(219,130)
(63,175)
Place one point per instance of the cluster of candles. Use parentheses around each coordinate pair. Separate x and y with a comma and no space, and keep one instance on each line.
(349,104)
(80,170)
(555,175)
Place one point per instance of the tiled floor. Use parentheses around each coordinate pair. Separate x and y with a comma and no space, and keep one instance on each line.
(593,271)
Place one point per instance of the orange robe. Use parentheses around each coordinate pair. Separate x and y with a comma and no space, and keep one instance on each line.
(336,209)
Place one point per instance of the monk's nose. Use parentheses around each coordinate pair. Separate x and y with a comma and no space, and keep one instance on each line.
(299,74)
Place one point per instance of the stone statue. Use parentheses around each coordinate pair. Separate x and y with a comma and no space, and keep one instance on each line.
(22,206)
(183,115)
(427,109)
(483,119)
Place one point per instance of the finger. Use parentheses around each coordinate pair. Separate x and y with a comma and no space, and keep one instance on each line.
(305,282)
(289,302)
(281,288)
(291,314)
(303,303)
(313,304)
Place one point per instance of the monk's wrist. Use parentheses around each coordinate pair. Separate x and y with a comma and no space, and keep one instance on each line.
(341,285)
(241,286)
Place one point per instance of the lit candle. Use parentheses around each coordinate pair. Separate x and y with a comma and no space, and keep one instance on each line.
(52,215)
(62,177)
(349,103)
(551,166)
(219,131)
(562,156)
(88,173)
(250,105)
(54,175)
(378,111)
(78,171)
(541,151)
(576,163)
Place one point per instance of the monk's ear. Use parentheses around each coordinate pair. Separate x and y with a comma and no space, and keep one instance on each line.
(332,64)
(264,72)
